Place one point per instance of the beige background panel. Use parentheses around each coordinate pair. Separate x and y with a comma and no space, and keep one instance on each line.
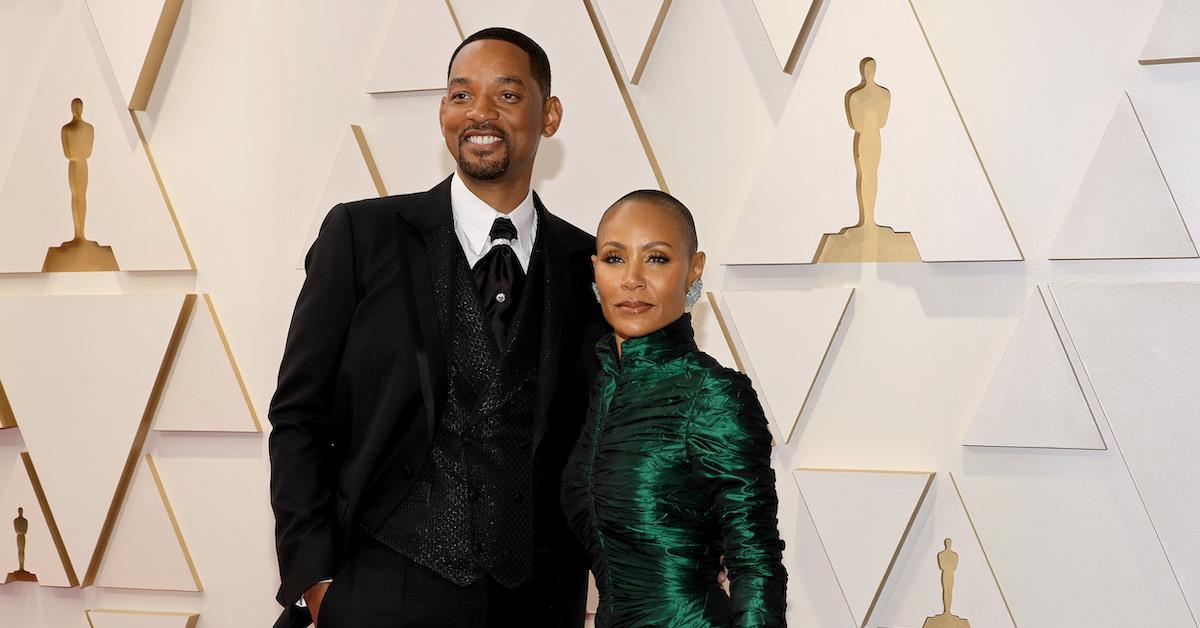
(783,339)
(350,179)
(1176,34)
(709,336)
(914,591)
(135,34)
(784,22)
(633,27)
(476,15)
(104,618)
(147,549)
(863,518)
(806,185)
(126,209)
(204,391)
(42,557)
(1035,398)
(79,372)
(405,64)
(1139,345)
(1124,207)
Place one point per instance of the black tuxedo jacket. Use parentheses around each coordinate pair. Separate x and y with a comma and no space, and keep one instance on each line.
(363,382)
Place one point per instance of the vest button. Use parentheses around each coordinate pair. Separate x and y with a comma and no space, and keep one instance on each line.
(500,297)
(518,497)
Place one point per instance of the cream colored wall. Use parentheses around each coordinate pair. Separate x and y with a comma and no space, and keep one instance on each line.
(254,100)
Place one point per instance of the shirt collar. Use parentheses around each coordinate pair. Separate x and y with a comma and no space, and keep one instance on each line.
(475,217)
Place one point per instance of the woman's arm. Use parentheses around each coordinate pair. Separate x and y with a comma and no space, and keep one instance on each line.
(729,447)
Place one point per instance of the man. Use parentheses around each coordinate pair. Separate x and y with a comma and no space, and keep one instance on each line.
(434,381)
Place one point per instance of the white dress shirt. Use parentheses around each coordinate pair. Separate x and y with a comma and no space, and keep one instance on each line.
(473,219)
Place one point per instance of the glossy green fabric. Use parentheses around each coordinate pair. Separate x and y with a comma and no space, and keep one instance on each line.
(672,470)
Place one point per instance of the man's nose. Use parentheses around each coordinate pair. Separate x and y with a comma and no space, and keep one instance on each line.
(482,111)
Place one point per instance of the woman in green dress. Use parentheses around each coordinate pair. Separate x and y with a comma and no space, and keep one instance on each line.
(672,470)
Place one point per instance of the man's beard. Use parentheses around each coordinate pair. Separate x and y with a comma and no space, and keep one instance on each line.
(486,170)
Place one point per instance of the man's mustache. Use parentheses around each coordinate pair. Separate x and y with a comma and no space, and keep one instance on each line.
(462,137)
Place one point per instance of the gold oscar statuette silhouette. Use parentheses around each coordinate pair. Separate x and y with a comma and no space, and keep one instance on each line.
(21,525)
(867,106)
(79,253)
(947,563)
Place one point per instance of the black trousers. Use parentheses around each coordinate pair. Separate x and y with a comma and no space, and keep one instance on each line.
(375,587)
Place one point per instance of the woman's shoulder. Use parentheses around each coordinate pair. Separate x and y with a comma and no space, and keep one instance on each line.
(721,383)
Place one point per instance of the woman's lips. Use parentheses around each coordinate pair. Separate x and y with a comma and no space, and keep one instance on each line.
(634,307)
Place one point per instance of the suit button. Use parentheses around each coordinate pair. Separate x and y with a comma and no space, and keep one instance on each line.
(500,297)
(405,471)
(518,498)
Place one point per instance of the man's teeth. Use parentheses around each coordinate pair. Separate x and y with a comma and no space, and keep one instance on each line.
(483,139)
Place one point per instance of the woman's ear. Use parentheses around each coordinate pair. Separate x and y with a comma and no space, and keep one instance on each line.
(594,261)
(698,259)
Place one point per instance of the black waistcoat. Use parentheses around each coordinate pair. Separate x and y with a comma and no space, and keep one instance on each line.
(470,510)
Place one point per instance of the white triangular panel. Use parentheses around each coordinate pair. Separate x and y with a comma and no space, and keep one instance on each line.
(914,590)
(79,372)
(1124,207)
(595,113)
(104,618)
(1176,34)
(709,335)
(807,185)
(349,180)
(476,15)
(125,205)
(41,552)
(147,550)
(783,20)
(633,27)
(1035,398)
(782,337)
(862,518)
(415,49)
(135,34)
(204,391)
(1141,350)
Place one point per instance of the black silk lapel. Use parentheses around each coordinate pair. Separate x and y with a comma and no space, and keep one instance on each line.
(557,295)
(420,231)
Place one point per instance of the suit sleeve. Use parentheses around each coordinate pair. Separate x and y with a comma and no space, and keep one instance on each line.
(302,413)
(729,447)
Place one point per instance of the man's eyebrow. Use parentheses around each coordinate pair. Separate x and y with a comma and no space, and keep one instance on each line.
(510,79)
(459,80)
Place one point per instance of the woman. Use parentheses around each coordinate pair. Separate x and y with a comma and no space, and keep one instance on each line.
(672,470)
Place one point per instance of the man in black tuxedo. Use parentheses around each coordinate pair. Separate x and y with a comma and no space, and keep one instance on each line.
(435,378)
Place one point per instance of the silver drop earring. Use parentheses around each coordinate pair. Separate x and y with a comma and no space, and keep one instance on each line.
(694,292)
(596,291)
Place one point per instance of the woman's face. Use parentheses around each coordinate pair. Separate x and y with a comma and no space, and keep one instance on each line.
(643,268)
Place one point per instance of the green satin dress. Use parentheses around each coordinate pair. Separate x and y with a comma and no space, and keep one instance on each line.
(671,471)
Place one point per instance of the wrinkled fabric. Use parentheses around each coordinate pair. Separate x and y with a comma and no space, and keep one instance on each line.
(671,471)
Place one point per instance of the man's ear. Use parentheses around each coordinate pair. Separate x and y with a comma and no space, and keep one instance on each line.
(442,113)
(552,116)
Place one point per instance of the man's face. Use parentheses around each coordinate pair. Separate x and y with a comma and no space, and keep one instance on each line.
(494,114)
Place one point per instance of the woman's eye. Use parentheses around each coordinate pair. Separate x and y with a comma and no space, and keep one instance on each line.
(658,258)
(611,258)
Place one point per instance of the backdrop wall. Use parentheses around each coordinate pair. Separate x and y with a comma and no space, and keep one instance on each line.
(1075,381)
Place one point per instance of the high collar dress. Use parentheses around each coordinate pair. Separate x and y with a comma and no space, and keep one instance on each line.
(671,472)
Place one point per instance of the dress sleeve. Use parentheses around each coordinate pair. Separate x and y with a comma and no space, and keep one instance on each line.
(729,448)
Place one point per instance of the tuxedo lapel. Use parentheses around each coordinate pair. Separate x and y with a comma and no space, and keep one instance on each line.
(423,228)
(557,298)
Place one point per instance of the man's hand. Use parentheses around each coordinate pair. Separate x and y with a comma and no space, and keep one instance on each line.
(313,598)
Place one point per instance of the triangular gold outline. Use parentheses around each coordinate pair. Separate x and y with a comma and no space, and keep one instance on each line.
(48,515)
(139,440)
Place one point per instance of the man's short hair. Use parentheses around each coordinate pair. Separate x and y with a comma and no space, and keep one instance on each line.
(661,199)
(539,63)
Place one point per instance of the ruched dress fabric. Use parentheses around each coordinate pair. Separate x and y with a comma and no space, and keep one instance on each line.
(672,470)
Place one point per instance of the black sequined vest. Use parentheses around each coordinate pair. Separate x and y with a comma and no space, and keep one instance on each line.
(469,513)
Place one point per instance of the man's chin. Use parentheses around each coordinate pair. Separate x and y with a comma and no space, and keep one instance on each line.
(483,171)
